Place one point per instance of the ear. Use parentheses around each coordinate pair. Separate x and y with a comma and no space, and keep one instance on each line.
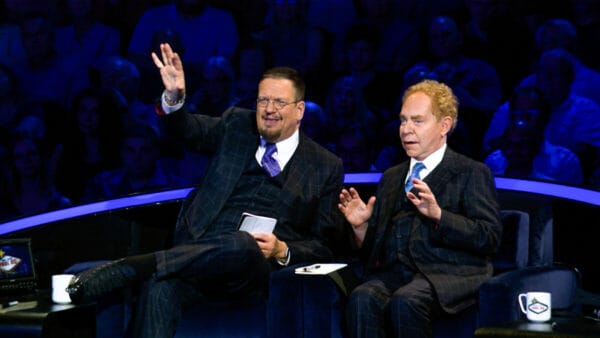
(447,122)
(300,110)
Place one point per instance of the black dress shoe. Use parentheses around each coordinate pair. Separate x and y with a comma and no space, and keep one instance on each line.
(96,282)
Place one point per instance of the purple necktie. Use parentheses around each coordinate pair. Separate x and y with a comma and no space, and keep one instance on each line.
(268,162)
(414,174)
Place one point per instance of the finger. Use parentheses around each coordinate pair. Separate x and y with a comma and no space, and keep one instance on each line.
(157,61)
(420,185)
(371,202)
(176,61)
(164,51)
(412,197)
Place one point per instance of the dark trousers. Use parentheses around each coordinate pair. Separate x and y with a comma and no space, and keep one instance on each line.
(222,267)
(392,304)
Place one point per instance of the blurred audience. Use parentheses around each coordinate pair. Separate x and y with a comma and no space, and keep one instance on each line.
(497,33)
(73,71)
(205,31)
(380,88)
(293,43)
(396,32)
(85,41)
(44,75)
(525,154)
(352,147)
(474,82)
(216,93)
(346,107)
(29,186)
(90,146)
(251,60)
(139,170)
(560,33)
(10,103)
(314,122)
(586,17)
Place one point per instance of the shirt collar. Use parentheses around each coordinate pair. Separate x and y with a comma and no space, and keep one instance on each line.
(285,149)
(430,161)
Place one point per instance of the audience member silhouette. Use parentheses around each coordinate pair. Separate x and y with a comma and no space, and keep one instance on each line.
(121,78)
(525,154)
(291,42)
(345,106)
(334,17)
(11,47)
(139,170)
(586,17)
(352,147)
(560,33)
(29,187)
(44,75)
(496,34)
(10,103)
(249,16)
(474,82)
(205,31)
(251,60)
(396,35)
(215,94)
(85,41)
(574,121)
(314,122)
(90,144)
(380,88)
(524,98)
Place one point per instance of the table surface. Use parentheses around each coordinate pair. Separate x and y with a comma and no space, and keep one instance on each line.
(556,327)
(40,317)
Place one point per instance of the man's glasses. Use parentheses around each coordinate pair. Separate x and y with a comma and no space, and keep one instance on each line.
(262,102)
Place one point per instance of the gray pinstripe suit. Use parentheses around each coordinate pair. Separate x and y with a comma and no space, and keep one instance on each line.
(452,256)
(230,264)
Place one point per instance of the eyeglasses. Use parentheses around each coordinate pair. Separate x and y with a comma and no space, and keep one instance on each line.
(262,102)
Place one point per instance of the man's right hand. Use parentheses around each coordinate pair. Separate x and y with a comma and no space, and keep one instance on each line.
(171,72)
(357,213)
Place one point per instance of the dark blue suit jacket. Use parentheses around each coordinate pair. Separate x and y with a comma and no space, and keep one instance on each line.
(308,218)
(453,255)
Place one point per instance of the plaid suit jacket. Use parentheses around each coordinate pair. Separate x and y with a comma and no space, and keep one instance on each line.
(308,221)
(453,255)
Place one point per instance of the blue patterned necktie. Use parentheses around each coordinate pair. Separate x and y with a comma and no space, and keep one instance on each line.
(268,162)
(414,174)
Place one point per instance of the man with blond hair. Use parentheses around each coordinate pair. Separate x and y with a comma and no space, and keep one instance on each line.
(427,235)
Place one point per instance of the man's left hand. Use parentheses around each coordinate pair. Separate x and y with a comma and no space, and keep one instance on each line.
(425,201)
(270,245)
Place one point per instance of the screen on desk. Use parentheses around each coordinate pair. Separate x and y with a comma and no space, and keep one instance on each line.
(16,261)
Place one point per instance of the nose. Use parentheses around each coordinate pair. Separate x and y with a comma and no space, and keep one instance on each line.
(406,127)
(270,107)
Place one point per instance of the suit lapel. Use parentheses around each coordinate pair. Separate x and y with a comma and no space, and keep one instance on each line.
(297,168)
(443,173)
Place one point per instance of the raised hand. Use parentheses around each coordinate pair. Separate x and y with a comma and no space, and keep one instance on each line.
(425,201)
(354,209)
(171,72)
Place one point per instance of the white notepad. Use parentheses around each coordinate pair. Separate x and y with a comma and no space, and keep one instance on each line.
(257,224)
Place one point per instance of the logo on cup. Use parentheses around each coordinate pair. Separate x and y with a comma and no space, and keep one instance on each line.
(537,307)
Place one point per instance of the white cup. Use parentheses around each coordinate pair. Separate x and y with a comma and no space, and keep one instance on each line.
(536,305)
(59,288)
